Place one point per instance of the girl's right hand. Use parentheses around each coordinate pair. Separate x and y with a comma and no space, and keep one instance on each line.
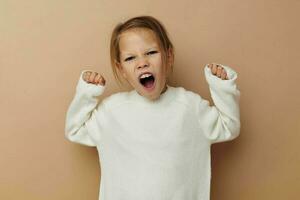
(93,78)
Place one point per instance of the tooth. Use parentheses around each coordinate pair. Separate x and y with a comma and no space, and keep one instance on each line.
(145,75)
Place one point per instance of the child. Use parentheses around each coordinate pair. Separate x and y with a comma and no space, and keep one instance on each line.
(153,141)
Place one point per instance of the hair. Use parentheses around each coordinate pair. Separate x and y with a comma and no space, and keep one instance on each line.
(146,22)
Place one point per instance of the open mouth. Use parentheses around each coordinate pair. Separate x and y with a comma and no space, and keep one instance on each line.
(147,80)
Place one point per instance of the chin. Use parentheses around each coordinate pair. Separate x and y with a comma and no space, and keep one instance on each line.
(154,97)
(151,96)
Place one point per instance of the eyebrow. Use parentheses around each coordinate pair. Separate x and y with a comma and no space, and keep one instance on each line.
(128,53)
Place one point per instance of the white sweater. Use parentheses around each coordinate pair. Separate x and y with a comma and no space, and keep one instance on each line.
(155,150)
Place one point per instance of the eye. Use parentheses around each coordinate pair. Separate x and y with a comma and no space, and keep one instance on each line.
(152,52)
(129,58)
(132,57)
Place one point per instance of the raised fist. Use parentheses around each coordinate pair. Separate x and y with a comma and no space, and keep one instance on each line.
(218,71)
(93,78)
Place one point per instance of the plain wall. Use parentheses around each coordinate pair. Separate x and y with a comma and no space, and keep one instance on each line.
(45,44)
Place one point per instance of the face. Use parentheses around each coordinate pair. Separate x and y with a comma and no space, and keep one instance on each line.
(139,54)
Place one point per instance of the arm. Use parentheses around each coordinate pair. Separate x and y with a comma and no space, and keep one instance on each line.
(221,122)
(82,118)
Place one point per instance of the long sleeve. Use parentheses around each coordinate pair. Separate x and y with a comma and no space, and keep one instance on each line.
(220,122)
(83,116)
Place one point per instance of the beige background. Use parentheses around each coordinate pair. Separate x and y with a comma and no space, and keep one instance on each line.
(45,44)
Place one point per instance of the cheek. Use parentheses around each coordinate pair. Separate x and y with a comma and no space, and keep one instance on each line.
(126,71)
(130,77)
(124,74)
(157,62)
(162,73)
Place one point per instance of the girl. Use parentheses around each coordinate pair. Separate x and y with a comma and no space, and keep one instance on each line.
(154,141)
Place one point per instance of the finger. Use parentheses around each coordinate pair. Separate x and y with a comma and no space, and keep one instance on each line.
(92,77)
(97,78)
(102,81)
(219,71)
(86,76)
(214,69)
(223,75)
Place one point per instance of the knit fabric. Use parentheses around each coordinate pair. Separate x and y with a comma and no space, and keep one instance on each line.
(155,150)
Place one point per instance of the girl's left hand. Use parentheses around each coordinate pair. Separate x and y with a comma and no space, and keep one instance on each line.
(218,71)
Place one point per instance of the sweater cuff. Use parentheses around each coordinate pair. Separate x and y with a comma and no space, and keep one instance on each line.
(216,82)
(88,89)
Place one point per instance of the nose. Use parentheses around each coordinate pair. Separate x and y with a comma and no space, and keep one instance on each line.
(143,62)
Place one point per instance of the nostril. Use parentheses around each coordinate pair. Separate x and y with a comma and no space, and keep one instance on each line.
(142,66)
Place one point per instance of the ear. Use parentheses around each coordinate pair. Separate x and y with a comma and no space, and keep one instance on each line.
(120,69)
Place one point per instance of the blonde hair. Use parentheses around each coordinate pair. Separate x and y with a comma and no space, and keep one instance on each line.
(147,22)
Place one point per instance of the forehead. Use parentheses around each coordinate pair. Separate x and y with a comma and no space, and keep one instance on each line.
(137,39)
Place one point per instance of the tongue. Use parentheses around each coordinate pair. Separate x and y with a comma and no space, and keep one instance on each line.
(149,83)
